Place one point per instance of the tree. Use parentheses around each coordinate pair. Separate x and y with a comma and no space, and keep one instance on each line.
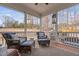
(10,22)
(20,25)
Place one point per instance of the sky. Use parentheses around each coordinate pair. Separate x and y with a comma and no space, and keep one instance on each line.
(16,15)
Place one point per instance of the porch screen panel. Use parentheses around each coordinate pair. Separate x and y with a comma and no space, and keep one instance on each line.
(11,20)
(62,21)
(33,26)
(68,19)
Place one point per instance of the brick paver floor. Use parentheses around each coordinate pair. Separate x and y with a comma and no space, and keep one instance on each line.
(50,51)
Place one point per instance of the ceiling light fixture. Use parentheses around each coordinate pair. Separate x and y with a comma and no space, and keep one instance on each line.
(46,3)
(37,3)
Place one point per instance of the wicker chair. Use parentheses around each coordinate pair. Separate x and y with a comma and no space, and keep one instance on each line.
(42,39)
(21,45)
(10,42)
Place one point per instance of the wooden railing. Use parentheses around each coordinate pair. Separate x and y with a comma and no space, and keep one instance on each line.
(69,38)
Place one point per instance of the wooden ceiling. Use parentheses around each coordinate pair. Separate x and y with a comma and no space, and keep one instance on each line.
(41,8)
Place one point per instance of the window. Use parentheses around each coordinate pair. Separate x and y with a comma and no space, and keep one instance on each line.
(77,17)
(33,22)
(71,19)
(68,19)
(47,23)
(33,25)
(62,20)
(10,18)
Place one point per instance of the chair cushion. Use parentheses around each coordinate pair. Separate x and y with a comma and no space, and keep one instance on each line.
(27,43)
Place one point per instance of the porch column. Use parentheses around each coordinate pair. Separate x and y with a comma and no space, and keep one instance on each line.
(54,21)
(56,29)
(40,23)
(25,25)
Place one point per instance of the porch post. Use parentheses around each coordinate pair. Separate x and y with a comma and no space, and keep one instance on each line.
(40,23)
(56,28)
(54,19)
(25,25)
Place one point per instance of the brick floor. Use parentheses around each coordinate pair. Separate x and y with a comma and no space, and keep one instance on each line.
(67,48)
(50,51)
